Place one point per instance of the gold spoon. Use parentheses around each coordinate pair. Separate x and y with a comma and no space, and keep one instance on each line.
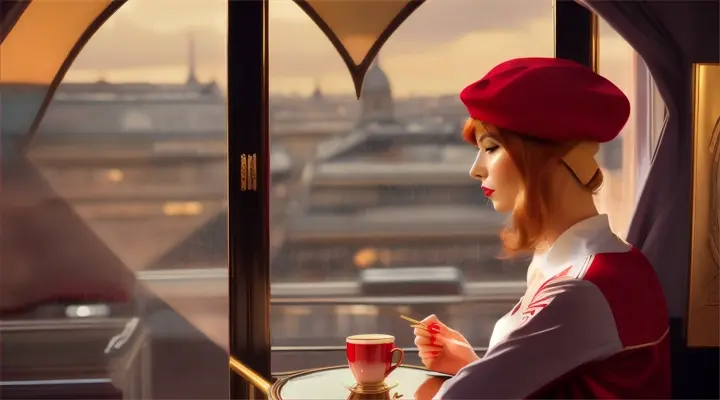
(413,321)
(423,327)
(420,325)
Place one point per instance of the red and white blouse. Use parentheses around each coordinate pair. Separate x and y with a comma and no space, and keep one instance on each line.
(593,323)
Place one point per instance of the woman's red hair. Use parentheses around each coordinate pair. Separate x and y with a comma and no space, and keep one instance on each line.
(534,159)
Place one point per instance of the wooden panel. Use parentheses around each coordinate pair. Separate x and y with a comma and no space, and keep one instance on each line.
(704,301)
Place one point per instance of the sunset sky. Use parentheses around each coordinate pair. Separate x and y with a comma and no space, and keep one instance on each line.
(444,46)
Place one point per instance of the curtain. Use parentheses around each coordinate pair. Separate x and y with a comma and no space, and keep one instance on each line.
(670,36)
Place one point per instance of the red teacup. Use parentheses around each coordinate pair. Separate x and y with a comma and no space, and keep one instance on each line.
(370,357)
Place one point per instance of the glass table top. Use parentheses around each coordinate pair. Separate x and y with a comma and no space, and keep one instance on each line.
(333,383)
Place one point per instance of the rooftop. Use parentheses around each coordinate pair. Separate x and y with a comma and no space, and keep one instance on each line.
(398,222)
(387,173)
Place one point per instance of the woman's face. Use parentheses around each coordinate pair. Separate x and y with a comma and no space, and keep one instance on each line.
(500,179)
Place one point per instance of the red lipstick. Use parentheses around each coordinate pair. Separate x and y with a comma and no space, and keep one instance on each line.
(488,191)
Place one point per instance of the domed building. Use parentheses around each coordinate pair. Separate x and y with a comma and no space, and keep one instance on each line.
(376,98)
(380,209)
(317,95)
(393,192)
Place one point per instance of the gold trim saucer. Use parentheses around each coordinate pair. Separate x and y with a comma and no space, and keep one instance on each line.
(372,389)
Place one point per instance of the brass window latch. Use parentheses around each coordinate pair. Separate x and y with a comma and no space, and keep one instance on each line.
(248,172)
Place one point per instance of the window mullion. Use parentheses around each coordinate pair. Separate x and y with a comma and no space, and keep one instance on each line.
(248,190)
(576,30)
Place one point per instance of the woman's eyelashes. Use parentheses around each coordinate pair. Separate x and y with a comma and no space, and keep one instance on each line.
(490,149)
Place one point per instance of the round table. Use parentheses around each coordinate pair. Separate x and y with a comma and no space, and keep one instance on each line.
(332,383)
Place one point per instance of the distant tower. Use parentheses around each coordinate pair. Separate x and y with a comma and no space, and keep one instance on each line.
(101,77)
(317,93)
(376,97)
(192,72)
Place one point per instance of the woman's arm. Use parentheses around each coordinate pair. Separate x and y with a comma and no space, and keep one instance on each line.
(568,325)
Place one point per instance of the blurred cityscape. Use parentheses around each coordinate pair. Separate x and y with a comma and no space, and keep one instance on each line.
(356,186)
(373,215)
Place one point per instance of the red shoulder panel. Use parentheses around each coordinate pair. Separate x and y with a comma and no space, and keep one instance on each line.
(633,291)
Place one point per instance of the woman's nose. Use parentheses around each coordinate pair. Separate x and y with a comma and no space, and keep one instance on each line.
(478,171)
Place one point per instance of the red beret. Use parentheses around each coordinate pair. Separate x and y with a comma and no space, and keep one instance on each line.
(549,98)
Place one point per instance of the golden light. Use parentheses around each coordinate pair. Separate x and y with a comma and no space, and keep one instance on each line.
(358,28)
(296,310)
(365,258)
(385,257)
(182,208)
(404,310)
(115,175)
(44,38)
(280,191)
(358,310)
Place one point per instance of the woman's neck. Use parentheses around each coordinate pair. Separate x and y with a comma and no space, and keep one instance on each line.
(560,223)
(571,205)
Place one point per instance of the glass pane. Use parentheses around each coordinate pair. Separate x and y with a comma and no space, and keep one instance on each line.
(115,246)
(658,115)
(380,186)
(626,159)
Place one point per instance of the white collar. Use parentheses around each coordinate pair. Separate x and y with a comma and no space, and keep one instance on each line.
(587,237)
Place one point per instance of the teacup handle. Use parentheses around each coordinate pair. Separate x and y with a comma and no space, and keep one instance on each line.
(401,357)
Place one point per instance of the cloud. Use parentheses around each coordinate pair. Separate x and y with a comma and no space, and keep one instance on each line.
(147,33)
(175,14)
(148,39)
(439,21)
(301,50)
(126,44)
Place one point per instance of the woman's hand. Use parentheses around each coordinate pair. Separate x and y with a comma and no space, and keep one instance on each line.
(443,349)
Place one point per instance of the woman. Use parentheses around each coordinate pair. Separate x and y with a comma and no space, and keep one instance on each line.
(593,321)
